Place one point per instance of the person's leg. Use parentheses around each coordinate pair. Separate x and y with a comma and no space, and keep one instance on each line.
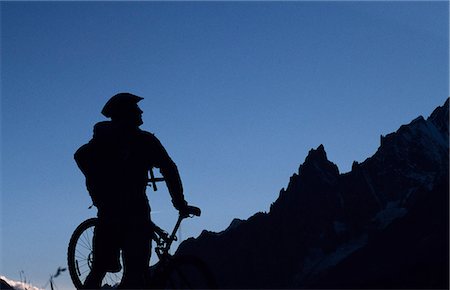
(105,254)
(136,256)
(94,279)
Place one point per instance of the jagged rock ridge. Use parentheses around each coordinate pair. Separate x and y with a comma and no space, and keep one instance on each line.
(382,225)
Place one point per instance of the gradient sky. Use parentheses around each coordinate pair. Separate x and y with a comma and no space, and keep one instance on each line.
(237,92)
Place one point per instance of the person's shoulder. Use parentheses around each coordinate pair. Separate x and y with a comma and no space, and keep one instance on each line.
(148,136)
(102,125)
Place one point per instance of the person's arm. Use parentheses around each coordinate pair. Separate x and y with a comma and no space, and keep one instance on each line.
(170,173)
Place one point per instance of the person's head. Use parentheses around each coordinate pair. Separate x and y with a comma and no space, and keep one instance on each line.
(123,108)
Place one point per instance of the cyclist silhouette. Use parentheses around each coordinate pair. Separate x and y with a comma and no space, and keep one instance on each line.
(116,162)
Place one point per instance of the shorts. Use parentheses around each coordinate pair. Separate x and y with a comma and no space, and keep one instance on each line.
(111,237)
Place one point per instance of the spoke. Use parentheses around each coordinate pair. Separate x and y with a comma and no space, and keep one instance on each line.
(85,271)
(82,258)
(83,265)
(106,280)
(86,239)
(85,244)
(81,254)
(90,238)
(82,243)
(109,280)
(113,278)
(87,236)
(85,248)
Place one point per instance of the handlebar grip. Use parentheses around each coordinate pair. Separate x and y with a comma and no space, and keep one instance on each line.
(194,210)
(190,210)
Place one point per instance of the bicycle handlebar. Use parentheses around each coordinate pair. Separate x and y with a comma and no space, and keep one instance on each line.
(186,212)
(190,210)
(193,210)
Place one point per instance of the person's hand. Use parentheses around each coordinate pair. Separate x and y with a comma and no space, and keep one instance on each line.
(180,204)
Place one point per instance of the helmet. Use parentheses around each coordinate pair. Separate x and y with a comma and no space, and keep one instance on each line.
(119,103)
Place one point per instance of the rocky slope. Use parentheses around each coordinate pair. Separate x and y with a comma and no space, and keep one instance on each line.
(382,225)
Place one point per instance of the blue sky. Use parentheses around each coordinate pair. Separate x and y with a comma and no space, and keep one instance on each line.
(237,92)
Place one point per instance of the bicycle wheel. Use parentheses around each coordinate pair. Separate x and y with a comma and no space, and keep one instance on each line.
(188,272)
(79,256)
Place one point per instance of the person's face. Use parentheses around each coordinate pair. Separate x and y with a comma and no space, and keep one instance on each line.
(132,115)
(136,115)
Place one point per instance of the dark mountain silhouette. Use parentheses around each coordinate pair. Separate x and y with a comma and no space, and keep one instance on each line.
(382,225)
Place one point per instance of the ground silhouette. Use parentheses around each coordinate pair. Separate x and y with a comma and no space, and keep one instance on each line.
(382,225)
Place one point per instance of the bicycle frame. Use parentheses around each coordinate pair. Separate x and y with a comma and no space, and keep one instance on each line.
(164,240)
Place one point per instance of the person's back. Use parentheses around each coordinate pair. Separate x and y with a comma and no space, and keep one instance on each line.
(120,179)
(116,163)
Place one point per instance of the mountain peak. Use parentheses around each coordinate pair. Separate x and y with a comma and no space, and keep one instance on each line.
(440,118)
(317,165)
(317,154)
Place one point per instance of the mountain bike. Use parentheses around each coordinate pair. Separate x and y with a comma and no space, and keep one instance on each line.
(171,271)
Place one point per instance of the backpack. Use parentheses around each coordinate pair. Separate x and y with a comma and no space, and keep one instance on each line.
(87,158)
(84,157)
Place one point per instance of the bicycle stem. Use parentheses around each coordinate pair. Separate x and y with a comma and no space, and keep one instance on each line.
(153,180)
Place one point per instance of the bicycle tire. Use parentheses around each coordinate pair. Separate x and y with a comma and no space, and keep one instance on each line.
(187,272)
(79,256)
